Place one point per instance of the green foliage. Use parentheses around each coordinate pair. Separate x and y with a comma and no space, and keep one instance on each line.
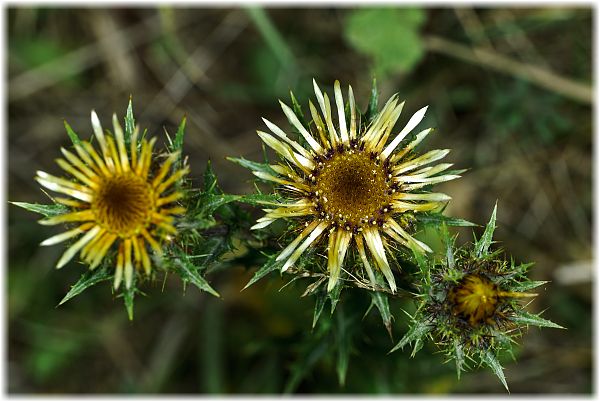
(191,273)
(41,52)
(88,279)
(492,362)
(254,166)
(483,244)
(523,317)
(372,108)
(436,220)
(381,301)
(269,266)
(414,336)
(48,210)
(390,36)
(298,111)
(72,134)
(537,122)
(128,295)
(129,122)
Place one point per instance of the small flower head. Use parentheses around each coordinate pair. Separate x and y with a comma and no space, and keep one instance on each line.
(471,303)
(353,183)
(116,200)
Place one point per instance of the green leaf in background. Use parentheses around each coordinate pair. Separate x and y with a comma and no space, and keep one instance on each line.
(390,36)
(48,210)
(342,340)
(302,367)
(43,52)
(88,279)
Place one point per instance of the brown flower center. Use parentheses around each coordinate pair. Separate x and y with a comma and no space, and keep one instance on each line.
(123,204)
(351,188)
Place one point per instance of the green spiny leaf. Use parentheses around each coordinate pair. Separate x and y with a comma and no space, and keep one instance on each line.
(422,263)
(254,166)
(48,210)
(319,305)
(492,362)
(298,111)
(212,202)
(520,269)
(459,357)
(334,295)
(417,331)
(189,273)
(449,242)
(523,317)
(210,248)
(483,244)
(270,266)
(438,219)
(210,180)
(72,134)
(178,143)
(129,122)
(371,111)
(261,199)
(88,279)
(522,287)
(381,301)
(128,296)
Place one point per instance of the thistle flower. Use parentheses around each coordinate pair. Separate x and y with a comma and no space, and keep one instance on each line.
(471,303)
(351,183)
(115,200)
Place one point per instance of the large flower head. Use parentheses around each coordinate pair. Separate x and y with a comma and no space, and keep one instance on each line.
(352,182)
(116,200)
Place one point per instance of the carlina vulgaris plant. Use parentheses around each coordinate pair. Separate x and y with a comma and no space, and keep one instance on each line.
(124,208)
(470,303)
(350,180)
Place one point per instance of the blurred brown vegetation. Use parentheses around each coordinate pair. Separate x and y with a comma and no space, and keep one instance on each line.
(521,121)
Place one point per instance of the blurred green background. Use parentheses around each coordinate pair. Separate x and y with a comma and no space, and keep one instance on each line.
(509,92)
